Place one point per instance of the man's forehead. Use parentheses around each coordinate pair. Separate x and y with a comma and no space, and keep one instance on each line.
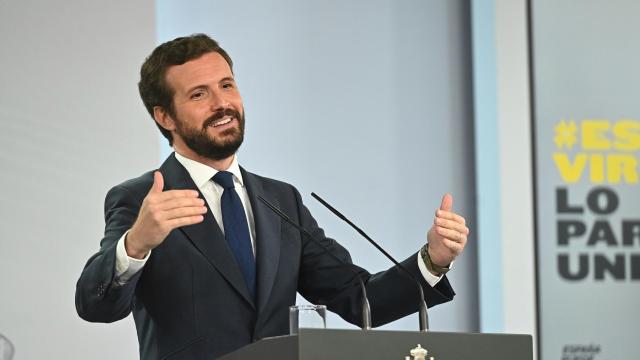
(208,68)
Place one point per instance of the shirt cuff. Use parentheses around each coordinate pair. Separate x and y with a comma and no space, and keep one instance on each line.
(127,266)
(426,274)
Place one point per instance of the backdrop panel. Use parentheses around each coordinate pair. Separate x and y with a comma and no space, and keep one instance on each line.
(587,131)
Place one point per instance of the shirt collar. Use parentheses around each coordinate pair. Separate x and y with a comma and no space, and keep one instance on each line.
(201,173)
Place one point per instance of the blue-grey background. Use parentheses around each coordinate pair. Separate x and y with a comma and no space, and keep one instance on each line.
(366,103)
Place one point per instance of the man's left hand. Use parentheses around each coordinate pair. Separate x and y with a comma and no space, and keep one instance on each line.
(448,235)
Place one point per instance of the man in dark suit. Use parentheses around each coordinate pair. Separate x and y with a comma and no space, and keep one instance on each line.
(203,265)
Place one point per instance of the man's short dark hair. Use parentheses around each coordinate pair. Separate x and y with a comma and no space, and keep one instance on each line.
(153,86)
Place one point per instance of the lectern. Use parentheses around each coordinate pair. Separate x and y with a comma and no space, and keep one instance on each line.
(333,344)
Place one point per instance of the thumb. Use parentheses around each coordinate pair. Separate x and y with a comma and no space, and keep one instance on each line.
(158,183)
(447,202)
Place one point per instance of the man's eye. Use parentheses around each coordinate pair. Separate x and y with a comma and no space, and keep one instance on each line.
(197,95)
(227,86)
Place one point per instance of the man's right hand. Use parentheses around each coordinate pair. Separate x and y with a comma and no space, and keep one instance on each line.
(161,212)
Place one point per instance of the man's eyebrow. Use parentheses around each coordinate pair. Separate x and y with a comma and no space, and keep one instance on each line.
(203,86)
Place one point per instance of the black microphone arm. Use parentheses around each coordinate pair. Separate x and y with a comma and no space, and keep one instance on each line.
(366,308)
(422,306)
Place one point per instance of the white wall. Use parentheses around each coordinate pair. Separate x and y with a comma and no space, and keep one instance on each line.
(504,166)
(72,126)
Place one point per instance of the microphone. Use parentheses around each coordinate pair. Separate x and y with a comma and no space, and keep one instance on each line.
(422,306)
(366,308)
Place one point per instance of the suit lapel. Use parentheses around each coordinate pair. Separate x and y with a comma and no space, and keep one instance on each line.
(267,236)
(206,236)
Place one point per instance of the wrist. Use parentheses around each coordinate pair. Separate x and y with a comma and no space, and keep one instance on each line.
(131,247)
(433,268)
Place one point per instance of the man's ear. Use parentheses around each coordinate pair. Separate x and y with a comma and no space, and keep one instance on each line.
(163,118)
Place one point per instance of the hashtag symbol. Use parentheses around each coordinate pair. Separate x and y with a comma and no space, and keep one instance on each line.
(566,134)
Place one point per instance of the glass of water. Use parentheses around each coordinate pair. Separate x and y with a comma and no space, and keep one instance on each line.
(307,316)
(6,348)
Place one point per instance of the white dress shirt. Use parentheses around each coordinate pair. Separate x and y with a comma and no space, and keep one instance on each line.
(201,175)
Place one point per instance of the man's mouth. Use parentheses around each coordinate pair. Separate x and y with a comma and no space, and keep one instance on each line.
(222,121)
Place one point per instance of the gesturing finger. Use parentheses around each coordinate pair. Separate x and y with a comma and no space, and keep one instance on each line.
(178,203)
(181,212)
(174,194)
(455,247)
(158,183)
(452,225)
(184,221)
(447,202)
(452,235)
(450,216)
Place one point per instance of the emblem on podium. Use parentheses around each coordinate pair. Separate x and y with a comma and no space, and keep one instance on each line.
(418,353)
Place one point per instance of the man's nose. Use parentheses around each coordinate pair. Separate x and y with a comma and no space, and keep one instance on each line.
(218,103)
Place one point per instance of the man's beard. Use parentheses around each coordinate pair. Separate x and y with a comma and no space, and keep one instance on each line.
(211,148)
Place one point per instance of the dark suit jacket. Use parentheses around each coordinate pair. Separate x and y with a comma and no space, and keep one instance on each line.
(190,300)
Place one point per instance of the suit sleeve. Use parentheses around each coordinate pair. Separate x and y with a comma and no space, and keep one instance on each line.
(392,294)
(99,298)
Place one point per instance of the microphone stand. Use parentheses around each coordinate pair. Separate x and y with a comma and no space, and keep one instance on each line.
(366,308)
(422,306)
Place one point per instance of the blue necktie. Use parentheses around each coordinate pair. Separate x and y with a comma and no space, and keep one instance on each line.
(236,229)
